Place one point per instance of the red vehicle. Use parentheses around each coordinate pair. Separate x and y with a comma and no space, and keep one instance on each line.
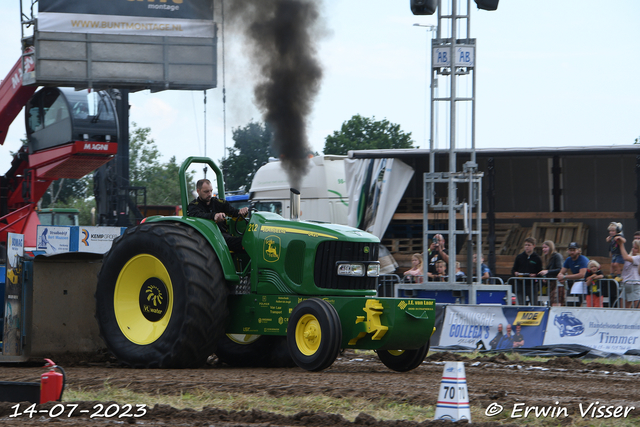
(69,134)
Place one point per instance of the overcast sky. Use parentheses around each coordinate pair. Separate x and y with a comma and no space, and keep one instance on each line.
(549,73)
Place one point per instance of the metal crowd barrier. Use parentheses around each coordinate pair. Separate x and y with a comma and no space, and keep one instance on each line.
(388,282)
(546,292)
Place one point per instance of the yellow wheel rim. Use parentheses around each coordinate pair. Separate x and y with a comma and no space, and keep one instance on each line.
(243,338)
(143,299)
(308,335)
(396,352)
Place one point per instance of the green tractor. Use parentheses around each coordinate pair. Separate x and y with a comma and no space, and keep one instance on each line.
(170,294)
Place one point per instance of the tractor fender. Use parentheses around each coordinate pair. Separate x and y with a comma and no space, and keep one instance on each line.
(212,234)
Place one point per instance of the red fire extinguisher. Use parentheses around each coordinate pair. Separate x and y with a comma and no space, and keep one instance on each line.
(51,383)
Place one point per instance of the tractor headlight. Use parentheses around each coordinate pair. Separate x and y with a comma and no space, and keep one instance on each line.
(352,270)
(358,269)
(373,270)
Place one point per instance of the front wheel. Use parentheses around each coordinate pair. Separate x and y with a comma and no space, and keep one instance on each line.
(161,297)
(403,360)
(314,334)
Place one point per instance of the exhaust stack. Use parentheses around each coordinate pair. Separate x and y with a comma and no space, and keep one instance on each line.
(295,204)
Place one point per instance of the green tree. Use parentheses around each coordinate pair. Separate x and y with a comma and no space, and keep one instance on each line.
(251,149)
(63,191)
(145,170)
(362,133)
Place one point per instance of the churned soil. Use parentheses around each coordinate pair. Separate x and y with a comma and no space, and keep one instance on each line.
(558,383)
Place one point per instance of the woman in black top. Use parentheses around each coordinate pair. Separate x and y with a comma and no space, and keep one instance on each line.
(553,262)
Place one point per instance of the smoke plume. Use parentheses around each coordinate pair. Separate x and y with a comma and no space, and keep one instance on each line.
(281,37)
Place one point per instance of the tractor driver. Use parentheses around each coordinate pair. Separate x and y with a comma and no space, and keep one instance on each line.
(208,207)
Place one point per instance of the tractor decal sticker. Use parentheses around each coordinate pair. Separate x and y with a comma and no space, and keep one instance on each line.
(153,299)
(285,230)
(271,248)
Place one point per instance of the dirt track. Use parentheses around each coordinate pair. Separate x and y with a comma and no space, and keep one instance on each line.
(490,380)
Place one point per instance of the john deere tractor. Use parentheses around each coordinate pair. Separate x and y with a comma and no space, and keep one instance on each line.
(170,294)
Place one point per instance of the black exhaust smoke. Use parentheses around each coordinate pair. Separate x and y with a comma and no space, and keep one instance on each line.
(281,40)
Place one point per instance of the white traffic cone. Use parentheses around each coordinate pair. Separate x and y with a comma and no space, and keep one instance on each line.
(453,399)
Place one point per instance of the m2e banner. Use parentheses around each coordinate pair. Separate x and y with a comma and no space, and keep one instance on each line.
(175,18)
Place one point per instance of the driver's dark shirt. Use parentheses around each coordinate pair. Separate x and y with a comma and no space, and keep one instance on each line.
(200,209)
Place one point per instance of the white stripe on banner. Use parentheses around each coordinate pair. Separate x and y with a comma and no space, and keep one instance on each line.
(124,25)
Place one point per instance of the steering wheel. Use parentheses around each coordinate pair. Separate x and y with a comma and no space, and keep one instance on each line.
(239,218)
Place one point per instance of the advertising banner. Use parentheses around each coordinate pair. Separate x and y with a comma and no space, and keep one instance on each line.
(493,327)
(53,239)
(176,18)
(375,188)
(97,240)
(613,331)
(13,321)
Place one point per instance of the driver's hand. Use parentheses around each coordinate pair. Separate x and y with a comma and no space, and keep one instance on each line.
(244,211)
(219,217)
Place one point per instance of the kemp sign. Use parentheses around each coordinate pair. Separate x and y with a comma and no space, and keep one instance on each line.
(186,18)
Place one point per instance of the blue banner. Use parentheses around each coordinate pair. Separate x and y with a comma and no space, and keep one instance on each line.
(493,327)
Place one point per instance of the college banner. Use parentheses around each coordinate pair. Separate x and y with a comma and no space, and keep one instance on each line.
(175,18)
(493,327)
(613,331)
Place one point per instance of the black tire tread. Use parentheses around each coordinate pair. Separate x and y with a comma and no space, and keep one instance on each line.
(407,361)
(203,311)
(331,336)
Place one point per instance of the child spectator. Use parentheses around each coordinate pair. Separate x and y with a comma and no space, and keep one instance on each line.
(594,298)
(485,272)
(617,262)
(460,276)
(441,271)
(415,275)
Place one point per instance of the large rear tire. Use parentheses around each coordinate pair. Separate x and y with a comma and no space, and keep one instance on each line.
(161,297)
(254,351)
(314,334)
(403,360)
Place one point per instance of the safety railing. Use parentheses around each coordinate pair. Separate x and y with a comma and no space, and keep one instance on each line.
(387,282)
(549,292)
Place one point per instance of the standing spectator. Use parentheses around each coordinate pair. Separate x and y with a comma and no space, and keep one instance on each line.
(615,231)
(552,261)
(415,275)
(574,267)
(436,252)
(526,264)
(594,298)
(636,235)
(630,274)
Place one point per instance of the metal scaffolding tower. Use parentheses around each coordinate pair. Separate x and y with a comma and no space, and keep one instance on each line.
(453,132)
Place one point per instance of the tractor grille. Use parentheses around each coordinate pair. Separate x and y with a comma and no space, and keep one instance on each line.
(329,253)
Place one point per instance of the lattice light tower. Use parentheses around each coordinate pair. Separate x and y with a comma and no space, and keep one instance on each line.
(452,120)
